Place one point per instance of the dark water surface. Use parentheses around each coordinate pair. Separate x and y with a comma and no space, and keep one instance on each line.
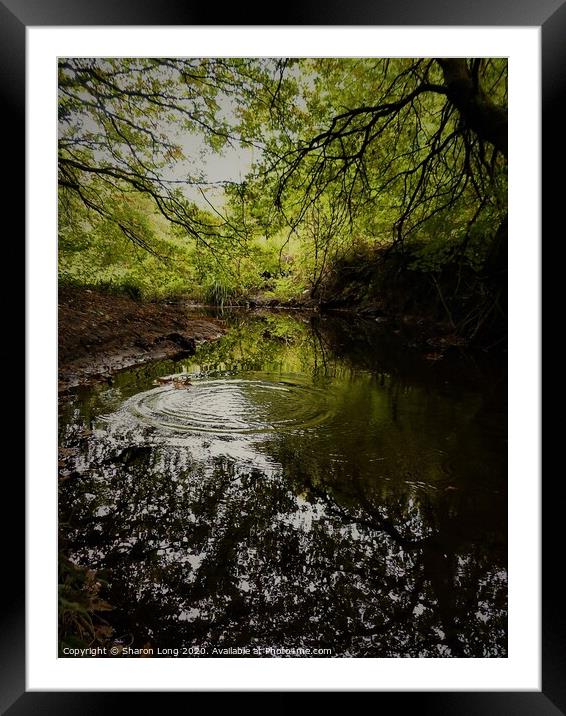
(319,485)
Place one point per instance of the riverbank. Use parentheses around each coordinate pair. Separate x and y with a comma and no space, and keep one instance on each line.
(100,334)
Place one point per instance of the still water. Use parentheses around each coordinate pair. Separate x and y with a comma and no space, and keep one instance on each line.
(317,485)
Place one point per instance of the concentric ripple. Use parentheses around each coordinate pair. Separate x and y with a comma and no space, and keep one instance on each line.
(233,405)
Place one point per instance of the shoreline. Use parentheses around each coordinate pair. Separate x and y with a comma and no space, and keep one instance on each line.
(101,334)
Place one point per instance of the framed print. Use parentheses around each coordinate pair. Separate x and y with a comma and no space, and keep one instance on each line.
(277,470)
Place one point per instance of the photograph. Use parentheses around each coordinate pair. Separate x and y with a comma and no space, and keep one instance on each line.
(282,357)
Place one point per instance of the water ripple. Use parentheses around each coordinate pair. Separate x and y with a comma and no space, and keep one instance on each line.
(237,405)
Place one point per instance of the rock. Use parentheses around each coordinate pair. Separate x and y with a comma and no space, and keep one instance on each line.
(187,344)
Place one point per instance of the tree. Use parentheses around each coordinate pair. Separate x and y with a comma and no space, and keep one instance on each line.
(419,137)
(406,154)
(122,123)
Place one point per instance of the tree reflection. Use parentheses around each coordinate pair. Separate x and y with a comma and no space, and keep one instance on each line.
(380,533)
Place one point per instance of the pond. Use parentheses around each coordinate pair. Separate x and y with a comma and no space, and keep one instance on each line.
(319,485)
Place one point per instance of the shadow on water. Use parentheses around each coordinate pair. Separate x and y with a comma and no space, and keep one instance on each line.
(317,486)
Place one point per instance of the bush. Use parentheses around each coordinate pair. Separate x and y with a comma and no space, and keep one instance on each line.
(80,606)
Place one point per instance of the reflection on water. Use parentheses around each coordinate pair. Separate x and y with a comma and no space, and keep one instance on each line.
(316,486)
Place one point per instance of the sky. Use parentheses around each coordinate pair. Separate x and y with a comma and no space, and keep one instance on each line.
(216,168)
(231,165)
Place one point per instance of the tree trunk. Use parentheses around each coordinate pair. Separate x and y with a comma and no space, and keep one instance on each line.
(478,112)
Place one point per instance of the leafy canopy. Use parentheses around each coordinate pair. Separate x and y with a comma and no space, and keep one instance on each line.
(386,152)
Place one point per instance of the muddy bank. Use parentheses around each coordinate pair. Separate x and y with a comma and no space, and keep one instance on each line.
(100,334)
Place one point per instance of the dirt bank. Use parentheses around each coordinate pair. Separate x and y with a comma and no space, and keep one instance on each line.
(100,334)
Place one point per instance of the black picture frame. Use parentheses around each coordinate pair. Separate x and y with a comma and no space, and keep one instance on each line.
(550,15)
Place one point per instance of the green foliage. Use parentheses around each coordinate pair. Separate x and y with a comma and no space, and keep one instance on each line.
(93,251)
(270,338)
(80,607)
(219,293)
(347,153)
(284,289)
